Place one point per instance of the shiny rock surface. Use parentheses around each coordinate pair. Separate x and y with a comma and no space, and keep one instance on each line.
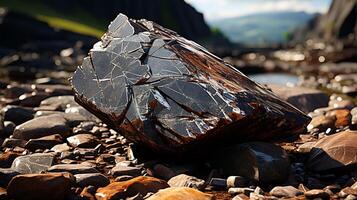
(168,93)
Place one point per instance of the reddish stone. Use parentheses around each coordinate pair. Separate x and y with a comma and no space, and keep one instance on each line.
(139,185)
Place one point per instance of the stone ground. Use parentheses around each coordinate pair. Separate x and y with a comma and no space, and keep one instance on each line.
(52,148)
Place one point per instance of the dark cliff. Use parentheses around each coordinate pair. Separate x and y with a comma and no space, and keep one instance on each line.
(339,23)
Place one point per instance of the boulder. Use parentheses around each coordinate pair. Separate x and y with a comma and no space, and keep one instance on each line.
(139,185)
(40,186)
(180,193)
(334,152)
(173,95)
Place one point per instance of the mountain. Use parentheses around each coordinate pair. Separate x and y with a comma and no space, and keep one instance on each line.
(262,28)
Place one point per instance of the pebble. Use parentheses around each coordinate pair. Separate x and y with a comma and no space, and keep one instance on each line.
(17,114)
(46,142)
(64,102)
(73,168)
(285,191)
(120,170)
(12,143)
(42,126)
(236,181)
(83,141)
(184,180)
(7,158)
(139,185)
(9,128)
(163,172)
(180,193)
(94,179)
(61,148)
(34,163)
(317,194)
(235,191)
(321,123)
(305,99)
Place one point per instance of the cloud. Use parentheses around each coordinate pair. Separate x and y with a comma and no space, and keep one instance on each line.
(217,9)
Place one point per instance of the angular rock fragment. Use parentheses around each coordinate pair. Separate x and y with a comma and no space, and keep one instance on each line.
(335,152)
(140,185)
(170,94)
(34,163)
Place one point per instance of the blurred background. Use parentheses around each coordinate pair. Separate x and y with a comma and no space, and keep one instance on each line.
(296,42)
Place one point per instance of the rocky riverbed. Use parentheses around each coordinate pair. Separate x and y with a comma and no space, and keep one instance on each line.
(53,148)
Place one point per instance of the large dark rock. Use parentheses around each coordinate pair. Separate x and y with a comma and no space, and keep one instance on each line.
(171,94)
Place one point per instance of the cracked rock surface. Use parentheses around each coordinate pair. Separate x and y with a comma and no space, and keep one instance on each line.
(170,94)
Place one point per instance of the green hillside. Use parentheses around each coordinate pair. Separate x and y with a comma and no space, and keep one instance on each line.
(263,28)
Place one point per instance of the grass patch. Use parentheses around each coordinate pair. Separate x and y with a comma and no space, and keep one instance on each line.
(77,20)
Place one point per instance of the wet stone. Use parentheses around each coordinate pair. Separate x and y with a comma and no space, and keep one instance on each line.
(7,158)
(317,194)
(63,102)
(285,191)
(9,128)
(168,93)
(61,147)
(42,126)
(321,123)
(95,179)
(40,186)
(305,99)
(17,114)
(180,193)
(34,163)
(139,185)
(46,142)
(83,141)
(73,168)
(12,143)
(32,99)
(120,170)
(6,174)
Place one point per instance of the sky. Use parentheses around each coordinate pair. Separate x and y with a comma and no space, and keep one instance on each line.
(220,9)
